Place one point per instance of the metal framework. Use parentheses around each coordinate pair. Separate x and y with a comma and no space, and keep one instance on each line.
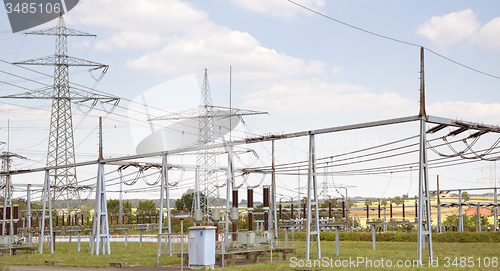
(61,150)
(47,202)
(460,204)
(100,228)
(206,113)
(312,187)
(312,200)
(164,194)
(6,157)
(424,207)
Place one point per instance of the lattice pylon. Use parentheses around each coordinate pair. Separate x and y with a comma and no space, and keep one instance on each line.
(207,178)
(61,147)
(100,228)
(7,202)
(47,202)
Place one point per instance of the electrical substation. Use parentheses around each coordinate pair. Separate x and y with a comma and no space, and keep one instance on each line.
(219,182)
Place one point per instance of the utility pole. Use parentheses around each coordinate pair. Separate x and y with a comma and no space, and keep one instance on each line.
(424,215)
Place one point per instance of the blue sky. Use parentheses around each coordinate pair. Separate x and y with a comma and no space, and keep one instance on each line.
(305,70)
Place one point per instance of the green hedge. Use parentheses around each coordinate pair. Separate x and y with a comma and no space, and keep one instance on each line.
(448,237)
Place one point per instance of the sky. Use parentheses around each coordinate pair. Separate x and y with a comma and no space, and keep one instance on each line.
(305,70)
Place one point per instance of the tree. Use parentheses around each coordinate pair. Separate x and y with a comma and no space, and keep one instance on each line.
(465,196)
(368,201)
(350,203)
(383,202)
(88,206)
(113,206)
(397,200)
(185,203)
(468,222)
(147,207)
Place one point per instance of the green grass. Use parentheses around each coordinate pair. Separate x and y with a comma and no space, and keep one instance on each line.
(146,255)
(389,251)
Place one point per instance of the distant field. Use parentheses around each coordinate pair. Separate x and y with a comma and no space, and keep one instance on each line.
(397,211)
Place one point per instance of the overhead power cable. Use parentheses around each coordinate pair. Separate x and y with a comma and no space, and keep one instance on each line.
(92,90)
(391,39)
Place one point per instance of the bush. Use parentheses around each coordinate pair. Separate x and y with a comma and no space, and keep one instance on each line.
(447,237)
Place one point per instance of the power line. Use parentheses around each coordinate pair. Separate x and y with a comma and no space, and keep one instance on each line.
(391,39)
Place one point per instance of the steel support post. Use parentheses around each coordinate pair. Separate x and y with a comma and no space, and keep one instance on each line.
(197,189)
(28,215)
(424,207)
(337,241)
(121,196)
(273,197)
(47,200)
(164,193)
(373,237)
(478,218)
(439,223)
(6,202)
(346,210)
(495,210)
(460,215)
(100,226)
(8,188)
(286,237)
(424,215)
(385,219)
(230,178)
(312,200)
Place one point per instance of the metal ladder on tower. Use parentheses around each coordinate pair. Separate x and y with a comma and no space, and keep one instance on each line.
(312,200)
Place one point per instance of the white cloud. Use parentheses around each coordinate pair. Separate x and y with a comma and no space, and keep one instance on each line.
(140,24)
(337,69)
(217,51)
(280,8)
(158,16)
(315,67)
(489,36)
(450,29)
(487,113)
(129,40)
(178,36)
(317,98)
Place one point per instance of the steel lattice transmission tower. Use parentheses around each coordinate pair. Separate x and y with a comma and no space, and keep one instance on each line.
(206,113)
(6,157)
(61,148)
(206,157)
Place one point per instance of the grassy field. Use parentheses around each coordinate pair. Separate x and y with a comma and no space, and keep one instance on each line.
(393,251)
